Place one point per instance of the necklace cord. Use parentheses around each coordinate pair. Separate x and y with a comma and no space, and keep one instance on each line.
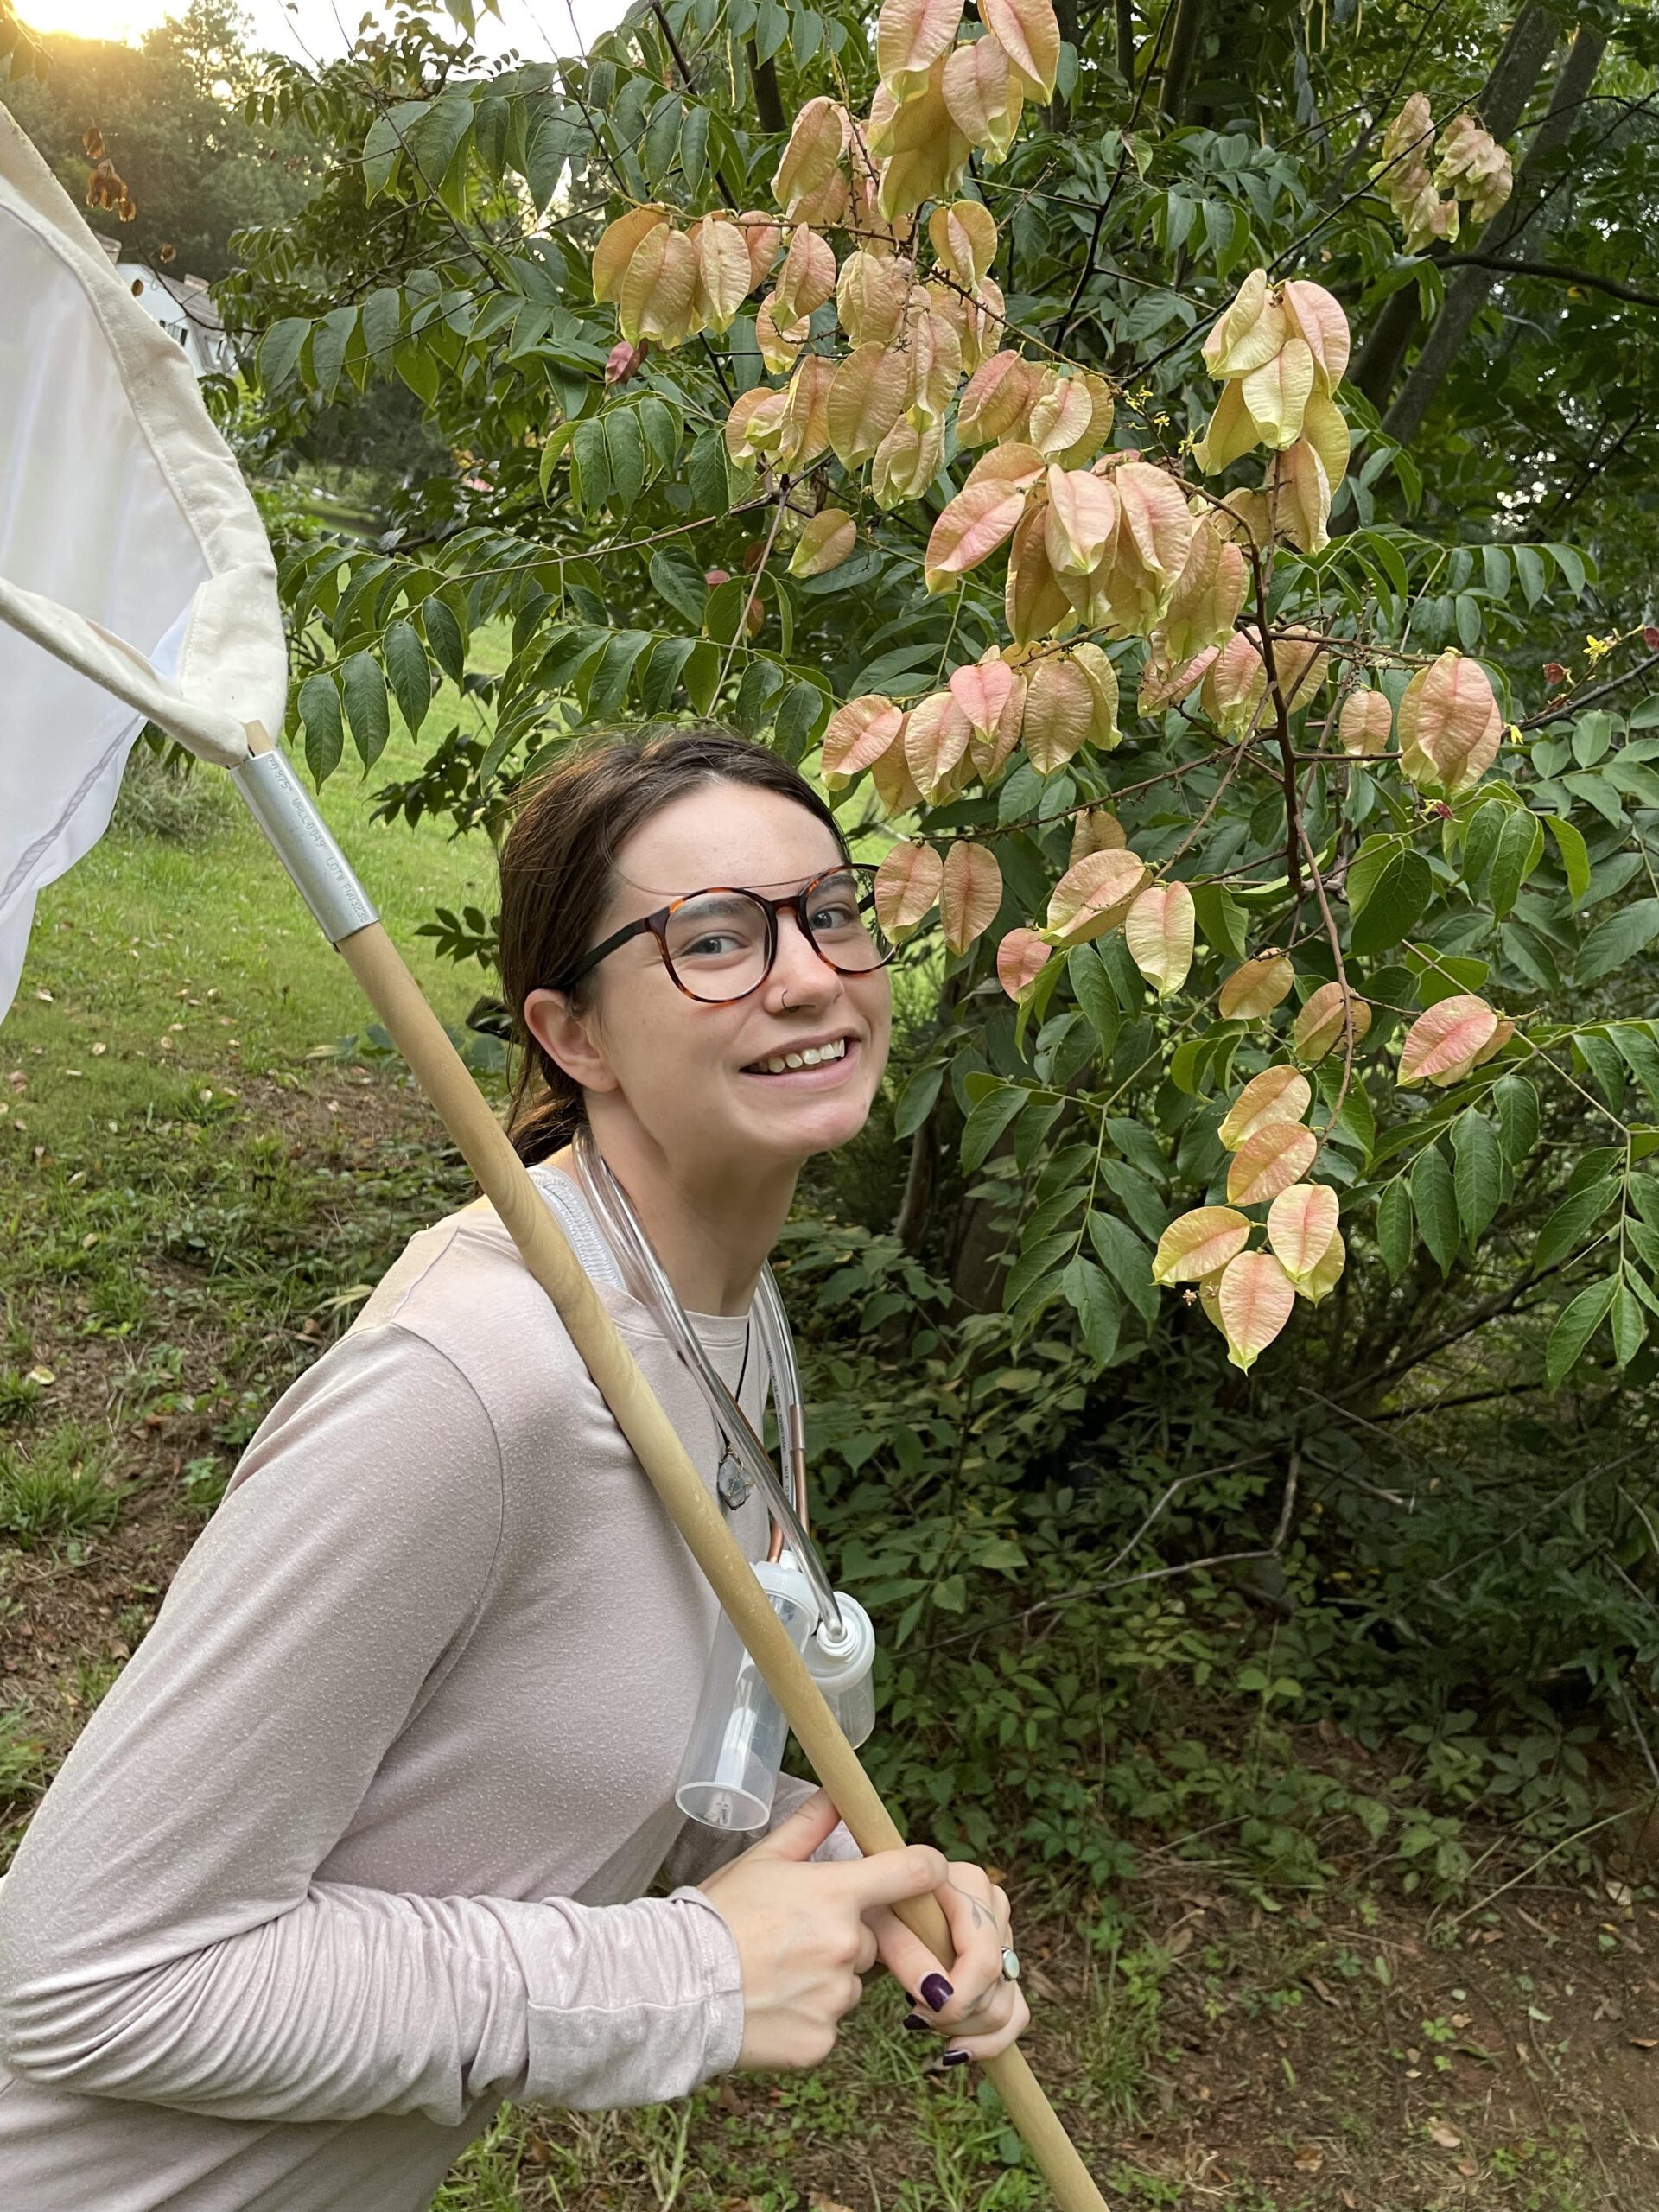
(648,1280)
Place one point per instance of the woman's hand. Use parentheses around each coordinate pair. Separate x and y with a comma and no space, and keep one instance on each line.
(971,2004)
(803,1931)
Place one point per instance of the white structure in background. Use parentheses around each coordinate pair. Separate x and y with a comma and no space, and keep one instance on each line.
(184,308)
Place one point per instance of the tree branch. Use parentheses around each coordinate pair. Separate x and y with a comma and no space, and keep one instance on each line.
(1568,704)
(1560,272)
(684,68)
(1083,275)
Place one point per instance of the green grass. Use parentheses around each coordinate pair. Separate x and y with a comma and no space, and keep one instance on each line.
(162,964)
(22,1755)
(63,1485)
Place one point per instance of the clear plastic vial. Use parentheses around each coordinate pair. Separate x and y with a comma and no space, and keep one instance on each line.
(729,1774)
(844,1670)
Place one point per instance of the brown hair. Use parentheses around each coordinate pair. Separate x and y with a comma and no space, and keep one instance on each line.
(556,868)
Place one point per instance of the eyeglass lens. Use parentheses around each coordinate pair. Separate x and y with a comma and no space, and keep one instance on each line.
(718,941)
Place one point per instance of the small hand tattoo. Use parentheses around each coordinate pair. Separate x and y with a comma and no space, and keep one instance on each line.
(982,1917)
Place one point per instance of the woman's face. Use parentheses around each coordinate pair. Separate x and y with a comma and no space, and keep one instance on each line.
(687,1070)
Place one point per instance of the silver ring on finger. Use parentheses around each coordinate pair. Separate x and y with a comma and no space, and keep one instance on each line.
(1010,1966)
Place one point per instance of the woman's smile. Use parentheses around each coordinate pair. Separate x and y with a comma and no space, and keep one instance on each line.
(810,1075)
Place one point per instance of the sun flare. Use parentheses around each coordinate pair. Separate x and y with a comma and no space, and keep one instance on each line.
(126,20)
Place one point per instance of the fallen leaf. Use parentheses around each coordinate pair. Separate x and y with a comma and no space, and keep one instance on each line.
(1447,2138)
(43,1375)
(1643,2042)
(1309,2159)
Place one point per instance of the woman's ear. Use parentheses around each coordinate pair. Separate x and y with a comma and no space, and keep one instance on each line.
(564,1037)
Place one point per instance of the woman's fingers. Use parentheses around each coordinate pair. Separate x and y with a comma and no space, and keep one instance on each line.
(868,1947)
(988,2017)
(993,2044)
(906,1958)
(971,2000)
(977,1912)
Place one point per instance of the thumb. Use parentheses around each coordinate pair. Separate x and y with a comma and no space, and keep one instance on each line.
(799,1836)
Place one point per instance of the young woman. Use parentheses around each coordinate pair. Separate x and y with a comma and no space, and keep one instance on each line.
(360,1841)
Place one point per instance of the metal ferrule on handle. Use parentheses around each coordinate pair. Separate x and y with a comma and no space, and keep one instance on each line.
(304,843)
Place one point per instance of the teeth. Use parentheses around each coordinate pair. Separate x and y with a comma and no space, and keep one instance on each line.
(814,1056)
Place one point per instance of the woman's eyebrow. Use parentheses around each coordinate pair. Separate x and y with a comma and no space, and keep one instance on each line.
(732,903)
(774,883)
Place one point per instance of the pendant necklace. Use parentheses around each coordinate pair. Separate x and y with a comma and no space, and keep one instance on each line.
(734,1481)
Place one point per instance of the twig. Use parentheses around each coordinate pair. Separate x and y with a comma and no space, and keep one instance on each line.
(1084,273)
(726,191)
(1157,1573)
(1282,711)
(1641,1733)
(1575,703)
(1539,1513)
(754,585)
(1335,943)
(1578,1836)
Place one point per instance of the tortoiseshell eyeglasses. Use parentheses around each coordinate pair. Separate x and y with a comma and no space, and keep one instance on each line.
(719,945)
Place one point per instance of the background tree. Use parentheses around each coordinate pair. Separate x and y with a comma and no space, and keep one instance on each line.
(170,118)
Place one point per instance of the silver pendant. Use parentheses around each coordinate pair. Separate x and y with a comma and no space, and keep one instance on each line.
(734,1482)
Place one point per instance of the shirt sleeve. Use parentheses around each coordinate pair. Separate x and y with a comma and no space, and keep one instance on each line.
(163,1936)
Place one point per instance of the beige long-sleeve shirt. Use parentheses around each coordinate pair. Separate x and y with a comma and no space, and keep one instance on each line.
(356,1845)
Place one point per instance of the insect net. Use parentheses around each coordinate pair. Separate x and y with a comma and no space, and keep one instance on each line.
(135,581)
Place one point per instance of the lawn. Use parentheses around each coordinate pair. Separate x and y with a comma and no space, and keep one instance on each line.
(165,957)
(194,1207)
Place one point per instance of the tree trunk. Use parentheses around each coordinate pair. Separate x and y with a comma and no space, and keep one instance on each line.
(1502,104)
(1125,25)
(1382,355)
(911,1226)
(768,100)
(1470,288)
(979,1262)
(1184,40)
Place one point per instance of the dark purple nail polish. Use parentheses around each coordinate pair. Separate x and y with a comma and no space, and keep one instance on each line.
(956,2058)
(937,1992)
(915,2022)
